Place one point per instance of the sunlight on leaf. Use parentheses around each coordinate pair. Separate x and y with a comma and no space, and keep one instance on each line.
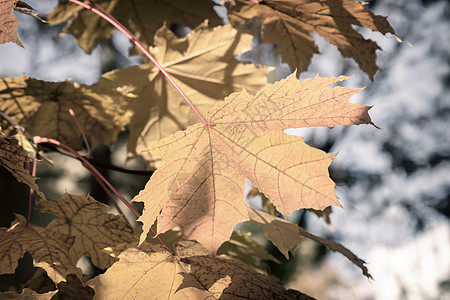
(152,271)
(203,64)
(201,185)
(93,228)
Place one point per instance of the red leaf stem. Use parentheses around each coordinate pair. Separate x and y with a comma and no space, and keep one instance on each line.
(109,18)
(72,113)
(96,174)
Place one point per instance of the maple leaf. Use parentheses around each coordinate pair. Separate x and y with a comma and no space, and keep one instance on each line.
(50,249)
(204,67)
(8,23)
(285,236)
(153,271)
(93,228)
(40,107)
(201,185)
(142,17)
(150,270)
(13,159)
(288,24)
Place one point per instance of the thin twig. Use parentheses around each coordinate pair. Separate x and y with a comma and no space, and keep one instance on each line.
(96,173)
(108,17)
(110,196)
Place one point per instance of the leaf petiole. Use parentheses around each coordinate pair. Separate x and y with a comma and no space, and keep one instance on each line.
(96,174)
(109,18)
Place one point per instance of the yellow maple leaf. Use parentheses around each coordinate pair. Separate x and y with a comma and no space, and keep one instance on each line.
(204,67)
(50,249)
(152,272)
(288,24)
(201,185)
(93,229)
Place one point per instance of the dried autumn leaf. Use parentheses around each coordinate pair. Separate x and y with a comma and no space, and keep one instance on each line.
(283,234)
(142,17)
(288,24)
(13,159)
(40,107)
(153,272)
(93,228)
(204,67)
(8,23)
(201,185)
(50,249)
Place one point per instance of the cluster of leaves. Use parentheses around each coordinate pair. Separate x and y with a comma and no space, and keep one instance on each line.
(196,195)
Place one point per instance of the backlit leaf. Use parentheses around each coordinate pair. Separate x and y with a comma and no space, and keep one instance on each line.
(40,107)
(204,67)
(148,272)
(50,249)
(93,228)
(152,272)
(201,185)
(289,23)
(13,159)
(142,17)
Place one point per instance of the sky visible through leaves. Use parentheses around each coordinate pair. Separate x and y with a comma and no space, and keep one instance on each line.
(201,167)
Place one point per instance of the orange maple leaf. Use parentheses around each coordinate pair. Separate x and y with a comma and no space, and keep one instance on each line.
(201,185)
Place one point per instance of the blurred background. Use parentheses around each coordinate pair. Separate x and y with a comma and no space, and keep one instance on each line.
(393,182)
